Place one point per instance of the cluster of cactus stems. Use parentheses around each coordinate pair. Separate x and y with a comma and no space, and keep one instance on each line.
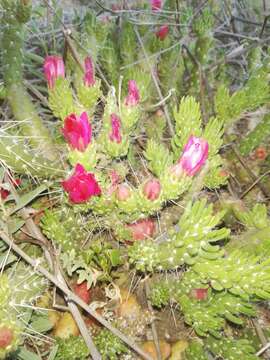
(227,348)
(223,288)
(220,283)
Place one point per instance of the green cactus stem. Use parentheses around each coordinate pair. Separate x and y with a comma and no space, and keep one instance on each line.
(72,348)
(195,351)
(15,14)
(65,228)
(233,349)
(186,246)
(206,313)
(255,93)
(110,346)
(225,348)
(17,156)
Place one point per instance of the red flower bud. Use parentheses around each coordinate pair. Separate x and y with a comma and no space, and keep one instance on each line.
(152,189)
(89,74)
(81,186)
(156,5)
(82,291)
(142,229)
(122,192)
(133,97)
(199,294)
(261,153)
(77,131)
(162,33)
(115,134)
(6,337)
(53,69)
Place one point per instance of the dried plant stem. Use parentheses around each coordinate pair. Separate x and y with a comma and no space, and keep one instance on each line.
(253,184)
(155,80)
(250,173)
(263,339)
(153,325)
(81,324)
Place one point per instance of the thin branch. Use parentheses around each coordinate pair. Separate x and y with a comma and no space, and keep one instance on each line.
(154,77)
(253,184)
(250,172)
(262,338)
(153,325)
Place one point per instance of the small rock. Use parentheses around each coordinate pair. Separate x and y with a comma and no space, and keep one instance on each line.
(66,327)
(177,350)
(165,349)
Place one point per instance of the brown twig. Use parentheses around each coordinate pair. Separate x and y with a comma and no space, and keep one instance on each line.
(153,325)
(250,172)
(244,193)
(264,25)
(261,336)
(201,79)
(155,80)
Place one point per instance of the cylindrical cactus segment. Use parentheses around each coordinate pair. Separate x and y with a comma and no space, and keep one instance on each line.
(14,14)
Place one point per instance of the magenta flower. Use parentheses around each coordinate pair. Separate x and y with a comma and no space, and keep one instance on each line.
(194,156)
(162,32)
(89,75)
(156,4)
(133,97)
(115,134)
(77,131)
(81,186)
(152,189)
(53,69)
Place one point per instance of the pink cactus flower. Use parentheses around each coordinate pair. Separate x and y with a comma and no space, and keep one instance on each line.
(77,131)
(142,229)
(162,32)
(81,186)
(152,189)
(194,156)
(53,69)
(122,192)
(133,97)
(156,5)
(89,75)
(115,134)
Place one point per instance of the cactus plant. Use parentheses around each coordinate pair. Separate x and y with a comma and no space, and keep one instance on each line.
(121,185)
